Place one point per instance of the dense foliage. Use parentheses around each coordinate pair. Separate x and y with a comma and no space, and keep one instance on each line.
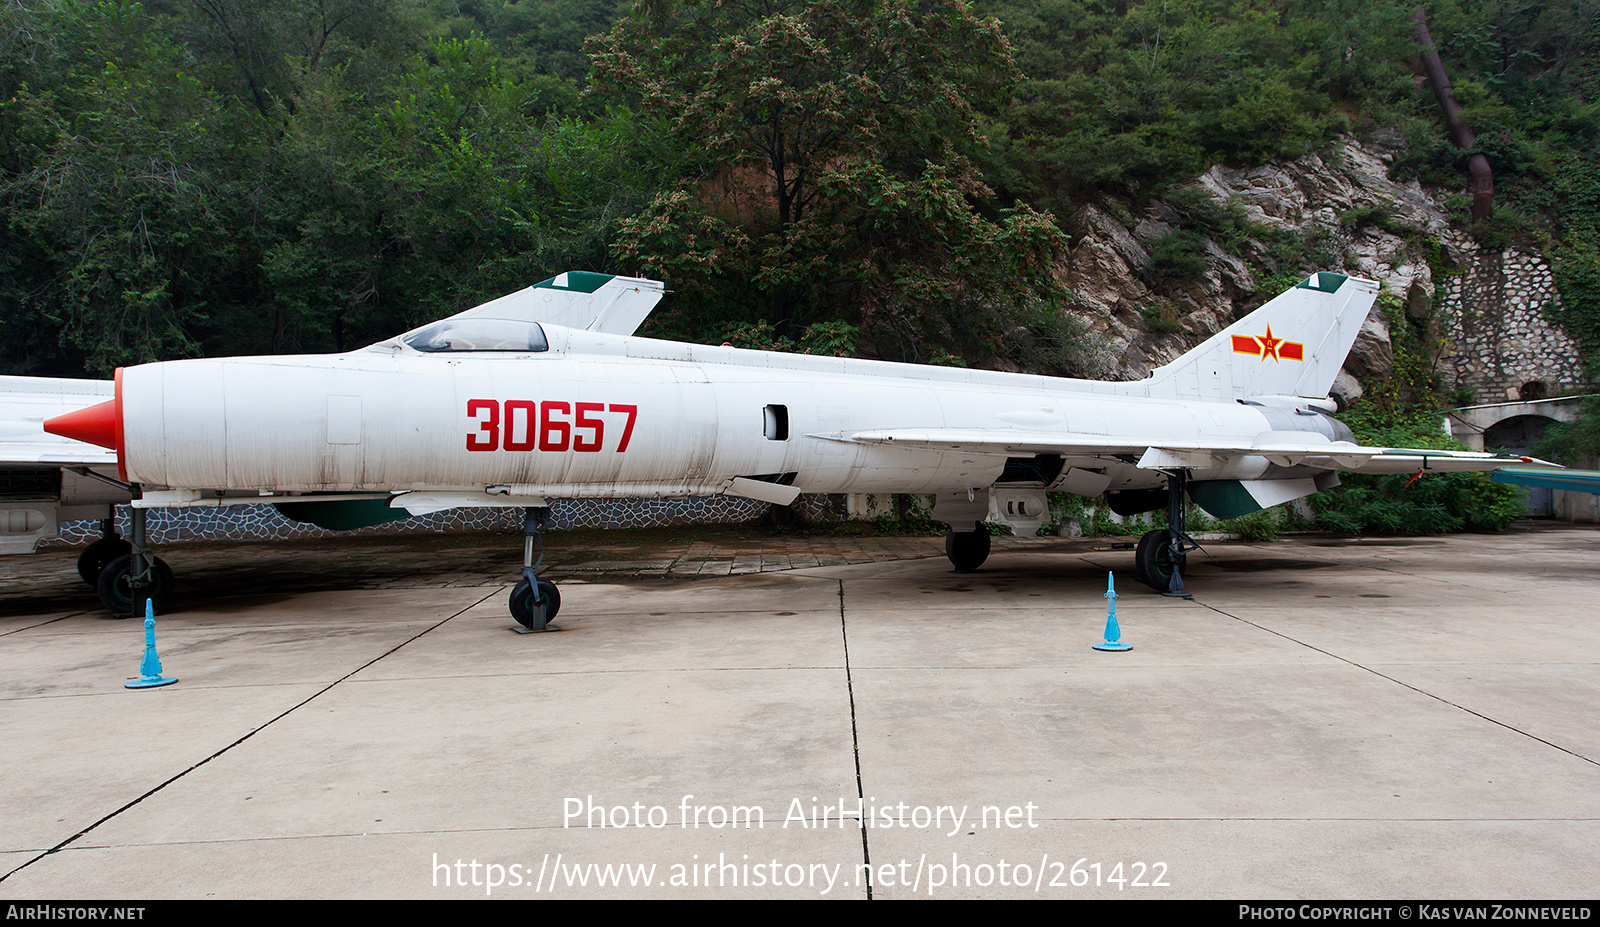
(1427,503)
(1403,412)
(212,177)
(188,177)
(828,165)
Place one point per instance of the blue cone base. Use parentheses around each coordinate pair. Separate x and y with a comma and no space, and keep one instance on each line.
(150,667)
(1112,646)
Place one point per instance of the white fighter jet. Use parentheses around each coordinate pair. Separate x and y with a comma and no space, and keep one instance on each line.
(546,393)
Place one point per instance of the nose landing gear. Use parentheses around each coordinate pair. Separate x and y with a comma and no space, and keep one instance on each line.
(534,601)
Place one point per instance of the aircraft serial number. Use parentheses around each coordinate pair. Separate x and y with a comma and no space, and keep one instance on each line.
(552,425)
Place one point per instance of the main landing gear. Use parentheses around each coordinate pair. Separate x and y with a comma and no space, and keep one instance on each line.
(1162,554)
(966,549)
(534,601)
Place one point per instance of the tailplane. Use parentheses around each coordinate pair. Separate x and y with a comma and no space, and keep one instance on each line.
(1292,346)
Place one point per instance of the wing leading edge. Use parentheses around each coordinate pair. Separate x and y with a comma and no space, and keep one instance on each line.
(1287,449)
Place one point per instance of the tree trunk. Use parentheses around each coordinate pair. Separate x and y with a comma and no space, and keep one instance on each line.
(1461,133)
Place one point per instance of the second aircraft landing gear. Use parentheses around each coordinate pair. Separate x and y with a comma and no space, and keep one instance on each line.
(534,601)
(121,590)
(1154,563)
(122,573)
(966,549)
(95,557)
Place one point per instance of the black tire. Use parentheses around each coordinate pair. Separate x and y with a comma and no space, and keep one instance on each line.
(966,549)
(1153,562)
(1139,558)
(95,557)
(522,602)
(115,589)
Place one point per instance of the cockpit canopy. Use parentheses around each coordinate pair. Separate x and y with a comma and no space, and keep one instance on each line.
(479,334)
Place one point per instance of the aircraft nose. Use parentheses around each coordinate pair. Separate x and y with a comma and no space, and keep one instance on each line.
(94,425)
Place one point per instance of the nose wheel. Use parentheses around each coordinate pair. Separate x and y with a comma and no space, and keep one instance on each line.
(534,601)
(535,612)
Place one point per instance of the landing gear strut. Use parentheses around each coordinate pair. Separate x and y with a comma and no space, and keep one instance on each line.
(132,573)
(1162,554)
(534,601)
(123,590)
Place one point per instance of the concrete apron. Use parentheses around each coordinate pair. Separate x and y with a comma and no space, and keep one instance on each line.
(1326,718)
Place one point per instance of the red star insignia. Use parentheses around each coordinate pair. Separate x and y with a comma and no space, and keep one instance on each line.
(1269,345)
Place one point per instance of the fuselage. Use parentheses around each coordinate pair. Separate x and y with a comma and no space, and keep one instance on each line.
(606,415)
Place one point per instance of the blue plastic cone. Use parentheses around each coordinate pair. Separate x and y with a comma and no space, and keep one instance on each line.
(1113,639)
(150,667)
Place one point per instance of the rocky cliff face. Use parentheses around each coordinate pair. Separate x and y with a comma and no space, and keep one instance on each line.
(1484,308)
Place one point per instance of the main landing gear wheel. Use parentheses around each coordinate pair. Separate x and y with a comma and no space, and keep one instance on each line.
(1153,561)
(966,549)
(95,557)
(115,585)
(522,603)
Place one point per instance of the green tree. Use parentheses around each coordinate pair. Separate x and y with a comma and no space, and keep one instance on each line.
(445,194)
(828,146)
(261,50)
(1134,95)
(115,196)
(306,186)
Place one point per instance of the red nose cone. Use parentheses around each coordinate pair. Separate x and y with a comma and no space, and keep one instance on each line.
(94,425)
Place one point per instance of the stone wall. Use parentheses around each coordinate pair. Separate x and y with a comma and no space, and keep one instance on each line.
(1499,342)
(1488,307)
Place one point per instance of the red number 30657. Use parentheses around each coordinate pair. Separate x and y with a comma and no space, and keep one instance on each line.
(552,425)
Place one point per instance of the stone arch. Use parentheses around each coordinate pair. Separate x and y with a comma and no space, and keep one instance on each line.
(1512,423)
(1516,433)
(1516,427)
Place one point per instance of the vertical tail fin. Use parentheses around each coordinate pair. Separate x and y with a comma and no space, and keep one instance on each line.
(1292,346)
(581,300)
